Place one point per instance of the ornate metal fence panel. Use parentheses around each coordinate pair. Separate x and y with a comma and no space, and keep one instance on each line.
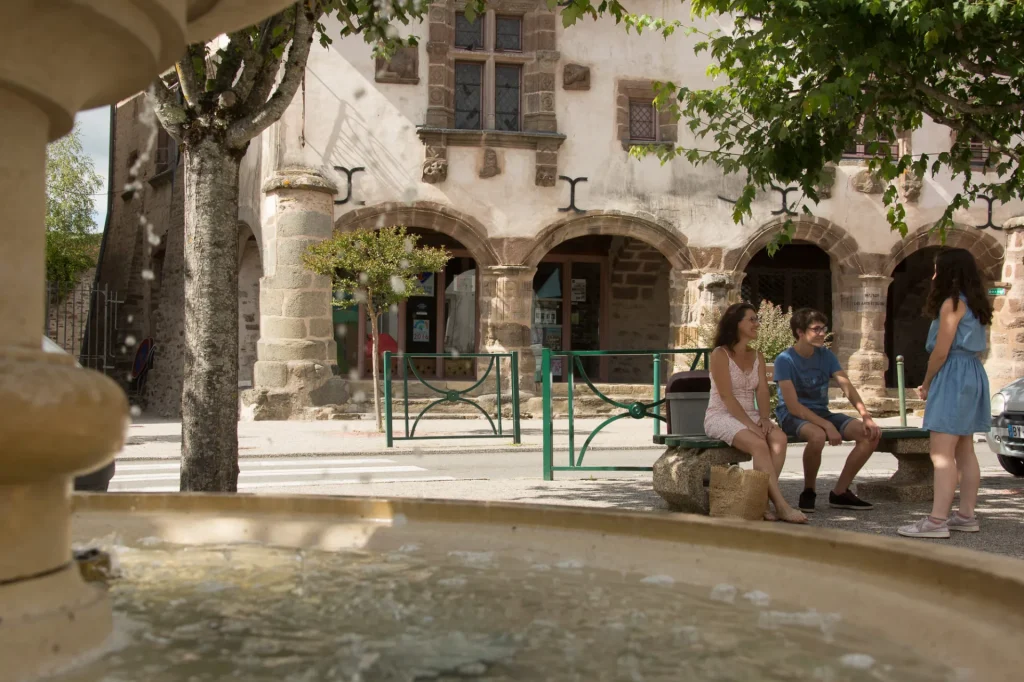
(84,322)
(445,396)
(634,410)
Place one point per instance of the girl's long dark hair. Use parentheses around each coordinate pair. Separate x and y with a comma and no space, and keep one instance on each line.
(956,273)
(728,327)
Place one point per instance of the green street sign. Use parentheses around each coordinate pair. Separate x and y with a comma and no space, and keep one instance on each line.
(997,291)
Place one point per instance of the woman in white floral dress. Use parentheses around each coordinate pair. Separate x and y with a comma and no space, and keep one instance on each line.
(737,375)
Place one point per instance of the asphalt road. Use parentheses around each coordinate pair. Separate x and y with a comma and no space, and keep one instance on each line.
(405,464)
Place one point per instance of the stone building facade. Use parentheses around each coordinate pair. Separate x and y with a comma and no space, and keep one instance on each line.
(506,140)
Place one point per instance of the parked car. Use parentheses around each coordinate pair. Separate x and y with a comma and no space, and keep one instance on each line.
(95,481)
(1006,435)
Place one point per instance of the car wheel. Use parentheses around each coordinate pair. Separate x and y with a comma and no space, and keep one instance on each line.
(1014,465)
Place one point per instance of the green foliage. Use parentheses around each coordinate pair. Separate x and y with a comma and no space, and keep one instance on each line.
(773,336)
(803,80)
(71,185)
(375,267)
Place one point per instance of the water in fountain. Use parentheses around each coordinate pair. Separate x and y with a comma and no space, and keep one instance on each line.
(259,613)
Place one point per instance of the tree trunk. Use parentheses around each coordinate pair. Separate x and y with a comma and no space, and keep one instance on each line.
(209,401)
(375,335)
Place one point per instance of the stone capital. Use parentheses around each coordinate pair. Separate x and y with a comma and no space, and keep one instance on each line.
(1013,224)
(510,271)
(716,280)
(311,179)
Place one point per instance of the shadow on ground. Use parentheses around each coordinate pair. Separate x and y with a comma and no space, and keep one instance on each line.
(1000,507)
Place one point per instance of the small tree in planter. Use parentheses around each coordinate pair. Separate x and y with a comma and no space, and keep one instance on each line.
(376,268)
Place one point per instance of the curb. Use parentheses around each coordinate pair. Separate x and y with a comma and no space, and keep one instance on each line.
(433,450)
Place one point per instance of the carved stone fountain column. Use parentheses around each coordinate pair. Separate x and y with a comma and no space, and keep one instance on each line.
(59,420)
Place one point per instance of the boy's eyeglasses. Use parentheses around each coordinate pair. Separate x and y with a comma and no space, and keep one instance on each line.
(818,329)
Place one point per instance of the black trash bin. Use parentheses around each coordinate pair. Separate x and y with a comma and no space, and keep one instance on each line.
(687,395)
(96,481)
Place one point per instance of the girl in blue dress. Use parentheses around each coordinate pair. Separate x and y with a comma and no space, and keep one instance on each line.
(955,390)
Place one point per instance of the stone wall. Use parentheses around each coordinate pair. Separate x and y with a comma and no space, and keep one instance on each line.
(69,317)
(639,309)
(249,272)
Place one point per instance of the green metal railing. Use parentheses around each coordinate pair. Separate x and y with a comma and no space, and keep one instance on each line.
(902,384)
(634,410)
(450,396)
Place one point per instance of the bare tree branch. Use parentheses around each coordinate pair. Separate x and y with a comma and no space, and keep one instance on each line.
(234,54)
(265,81)
(257,56)
(964,107)
(169,112)
(188,79)
(983,70)
(252,124)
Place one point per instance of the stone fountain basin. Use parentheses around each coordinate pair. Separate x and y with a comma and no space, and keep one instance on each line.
(923,596)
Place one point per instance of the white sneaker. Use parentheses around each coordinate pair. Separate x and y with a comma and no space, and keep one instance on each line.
(962,523)
(925,528)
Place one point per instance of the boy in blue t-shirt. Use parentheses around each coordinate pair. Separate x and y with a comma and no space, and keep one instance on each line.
(803,372)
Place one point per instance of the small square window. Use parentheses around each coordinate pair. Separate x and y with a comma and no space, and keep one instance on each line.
(469,35)
(164,146)
(507,88)
(508,34)
(642,121)
(979,152)
(469,79)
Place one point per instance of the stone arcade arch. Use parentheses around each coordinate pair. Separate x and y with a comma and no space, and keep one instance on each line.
(446,319)
(662,237)
(852,288)
(603,281)
(987,251)
(429,216)
(910,264)
(250,270)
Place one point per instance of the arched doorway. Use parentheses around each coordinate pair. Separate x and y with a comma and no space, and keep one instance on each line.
(799,275)
(906,327)
(602,291)
(442,319)
(250,270)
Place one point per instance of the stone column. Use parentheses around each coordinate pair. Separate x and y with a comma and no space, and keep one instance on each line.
(1005,360)
(296,364)
(859,328)
(60,420)
(694,297)
(506,296)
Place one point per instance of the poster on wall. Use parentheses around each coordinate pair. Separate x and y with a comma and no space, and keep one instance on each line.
(556,366)
(421,331)
(545,316)
(426,283)
(579,291)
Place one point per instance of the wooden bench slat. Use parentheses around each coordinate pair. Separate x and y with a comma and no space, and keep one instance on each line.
(891,432)
(694,442)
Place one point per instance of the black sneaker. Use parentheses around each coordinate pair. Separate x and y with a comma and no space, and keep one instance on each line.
(848,501)
(806,503)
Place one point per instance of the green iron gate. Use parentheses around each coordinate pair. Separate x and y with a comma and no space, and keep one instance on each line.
(634,410)
(451,396)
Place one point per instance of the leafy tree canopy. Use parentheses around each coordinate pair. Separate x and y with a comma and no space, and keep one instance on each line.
(803,80)
(378,267)
(71,188)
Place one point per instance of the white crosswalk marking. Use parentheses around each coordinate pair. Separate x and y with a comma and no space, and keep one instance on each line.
(156,476)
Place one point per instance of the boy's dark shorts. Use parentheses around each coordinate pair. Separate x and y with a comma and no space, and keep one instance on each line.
(791,425)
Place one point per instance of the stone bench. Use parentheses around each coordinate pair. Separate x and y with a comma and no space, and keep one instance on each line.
(914,475)
(680,473)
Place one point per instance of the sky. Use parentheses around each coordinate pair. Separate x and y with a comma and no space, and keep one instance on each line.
(95,128)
